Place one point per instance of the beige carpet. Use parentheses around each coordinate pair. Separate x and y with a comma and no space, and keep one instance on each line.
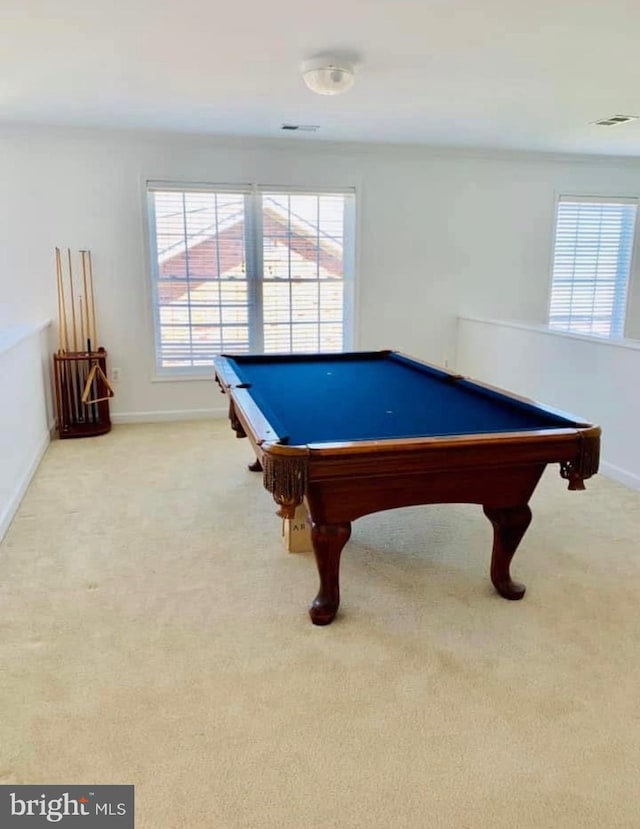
(153,631)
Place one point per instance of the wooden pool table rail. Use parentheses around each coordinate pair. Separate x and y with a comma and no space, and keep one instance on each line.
(288,469)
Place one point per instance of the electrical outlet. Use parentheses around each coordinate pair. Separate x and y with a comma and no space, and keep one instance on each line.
(115,375)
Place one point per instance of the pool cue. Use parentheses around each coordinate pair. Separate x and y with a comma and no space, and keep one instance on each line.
(81,314)
(86,299)
(74,372)
(66,366)
(59,286)
(61,382)
(94,327)
(84,368)
(82,376)
(57,365)
(91,409)
(73,306)
(64,334)
(93,304)
(87,326)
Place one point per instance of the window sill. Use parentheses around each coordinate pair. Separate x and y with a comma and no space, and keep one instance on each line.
(182,378)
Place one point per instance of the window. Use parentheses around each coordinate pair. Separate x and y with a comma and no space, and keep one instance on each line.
(591,265)
(249,269)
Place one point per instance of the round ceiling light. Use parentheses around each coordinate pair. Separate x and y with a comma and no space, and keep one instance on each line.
(327,76)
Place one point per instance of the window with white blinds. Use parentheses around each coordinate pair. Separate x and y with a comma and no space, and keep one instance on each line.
(249,269)
(591,265)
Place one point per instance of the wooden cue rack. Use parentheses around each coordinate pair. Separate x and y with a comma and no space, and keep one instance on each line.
(82,390)
(77,419)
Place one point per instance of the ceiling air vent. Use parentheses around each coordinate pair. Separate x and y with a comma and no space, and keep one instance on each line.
(300,127)
(616,119)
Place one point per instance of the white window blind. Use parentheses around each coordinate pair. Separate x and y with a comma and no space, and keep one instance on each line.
(591,265)
(249,270)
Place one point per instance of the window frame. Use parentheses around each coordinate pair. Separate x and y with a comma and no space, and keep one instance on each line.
(632,280)
(253,215)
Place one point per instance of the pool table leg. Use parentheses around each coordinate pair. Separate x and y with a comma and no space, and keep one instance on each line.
(509,525)
(328,541)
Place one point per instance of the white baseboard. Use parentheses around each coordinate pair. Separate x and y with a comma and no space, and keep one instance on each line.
(10,509)
(622,476)
(158,417)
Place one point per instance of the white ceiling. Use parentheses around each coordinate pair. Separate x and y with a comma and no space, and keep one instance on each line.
(470,73)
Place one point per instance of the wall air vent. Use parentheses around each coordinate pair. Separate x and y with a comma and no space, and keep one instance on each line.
(616,119)
(300,127)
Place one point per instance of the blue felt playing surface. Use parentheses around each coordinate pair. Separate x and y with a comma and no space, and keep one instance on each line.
(337,398)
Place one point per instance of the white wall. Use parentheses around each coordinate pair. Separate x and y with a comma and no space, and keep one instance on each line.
(25,412)
(440,233)
(593,379)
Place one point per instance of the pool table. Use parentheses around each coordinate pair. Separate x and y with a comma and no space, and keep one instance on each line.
(354,433)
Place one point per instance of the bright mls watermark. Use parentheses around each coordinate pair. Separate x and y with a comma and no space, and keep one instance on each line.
(85,807)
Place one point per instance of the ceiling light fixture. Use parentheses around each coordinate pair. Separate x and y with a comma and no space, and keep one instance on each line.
(300,127)
(615,120)
(328,76)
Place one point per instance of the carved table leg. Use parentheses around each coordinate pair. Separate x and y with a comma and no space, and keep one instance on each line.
(256,466)
(328,541)
(509,525)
